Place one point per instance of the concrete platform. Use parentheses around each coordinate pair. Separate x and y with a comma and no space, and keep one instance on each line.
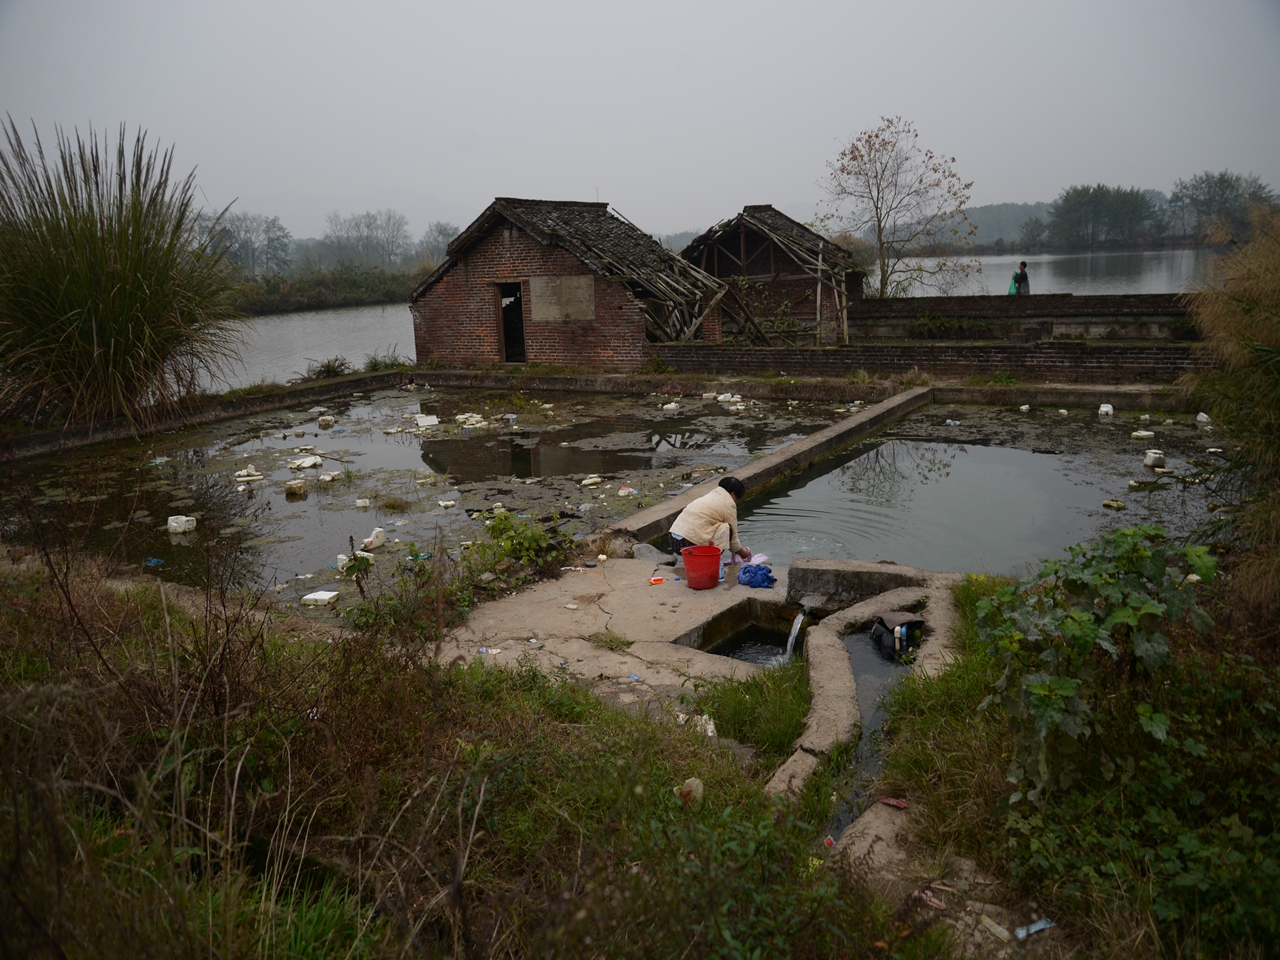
(615,596)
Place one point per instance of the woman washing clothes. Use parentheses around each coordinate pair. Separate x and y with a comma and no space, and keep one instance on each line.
(711,519)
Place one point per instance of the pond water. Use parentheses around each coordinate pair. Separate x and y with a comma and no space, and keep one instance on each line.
(1154,271)
(530,456)
(997,492)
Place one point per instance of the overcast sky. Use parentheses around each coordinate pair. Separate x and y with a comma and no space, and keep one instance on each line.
(677,113)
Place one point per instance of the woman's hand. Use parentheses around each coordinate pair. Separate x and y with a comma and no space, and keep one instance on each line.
(744,553)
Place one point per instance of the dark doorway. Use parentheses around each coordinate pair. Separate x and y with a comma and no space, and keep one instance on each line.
(511,309)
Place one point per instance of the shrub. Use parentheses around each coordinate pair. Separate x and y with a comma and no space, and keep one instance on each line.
(1238,316)
(113,301)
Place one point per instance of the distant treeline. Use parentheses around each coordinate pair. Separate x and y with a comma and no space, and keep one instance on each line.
(365,258)
(1085,217)
(342,286)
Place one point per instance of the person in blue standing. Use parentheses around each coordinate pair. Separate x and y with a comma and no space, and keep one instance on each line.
(1021,280)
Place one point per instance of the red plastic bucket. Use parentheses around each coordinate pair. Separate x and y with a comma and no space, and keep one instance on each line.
(701,567)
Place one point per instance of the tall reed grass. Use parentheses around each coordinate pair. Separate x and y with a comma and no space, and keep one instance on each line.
(1238,315)
(113,301)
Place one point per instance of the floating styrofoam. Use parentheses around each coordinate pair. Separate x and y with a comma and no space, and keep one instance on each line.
(1202,417)
(1142,435)
(295,488)
(181,524)
(426,420)
(325,422)
(1154,458)
(671,406)
(306,463)
(375,539)
(321,598)
(362,502)
(1025,408)
(1106,410)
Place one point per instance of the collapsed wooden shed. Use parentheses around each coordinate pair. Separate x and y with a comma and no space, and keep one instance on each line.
(787,284)
(561,282)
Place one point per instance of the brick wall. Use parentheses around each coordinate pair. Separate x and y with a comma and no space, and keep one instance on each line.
(456,322)
(1034,307)
(1073,362)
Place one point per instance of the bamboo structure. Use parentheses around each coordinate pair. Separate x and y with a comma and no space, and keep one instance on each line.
(764,249)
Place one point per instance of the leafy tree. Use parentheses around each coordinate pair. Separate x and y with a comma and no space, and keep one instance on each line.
(1198,202)
(1034,230)
(1085,216)
(906,201)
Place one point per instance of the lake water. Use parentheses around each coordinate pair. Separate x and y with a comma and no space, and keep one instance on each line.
(1156,271)
(278,346)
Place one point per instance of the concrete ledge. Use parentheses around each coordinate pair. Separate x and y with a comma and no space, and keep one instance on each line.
(833,711)
(832,585)
(655,521)
(1121,396)
(792,775)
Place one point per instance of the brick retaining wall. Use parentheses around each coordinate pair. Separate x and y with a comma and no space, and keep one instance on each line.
(1049,361)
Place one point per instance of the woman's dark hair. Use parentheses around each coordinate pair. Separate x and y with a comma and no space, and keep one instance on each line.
(734,486)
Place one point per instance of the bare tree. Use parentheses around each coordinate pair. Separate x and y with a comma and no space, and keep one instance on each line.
(391,235)
(908,202)
(435,241)
(256,243)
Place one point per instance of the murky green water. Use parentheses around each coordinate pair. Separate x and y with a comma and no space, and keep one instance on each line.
(996,493)
(530,455)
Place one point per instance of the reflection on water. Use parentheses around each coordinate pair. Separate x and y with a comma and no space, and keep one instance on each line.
(1154,271)
(948,506)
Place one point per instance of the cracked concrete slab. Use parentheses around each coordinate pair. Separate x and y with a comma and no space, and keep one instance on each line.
(616,596)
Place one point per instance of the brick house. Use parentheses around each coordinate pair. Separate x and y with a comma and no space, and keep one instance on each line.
(780,276)
(559,282)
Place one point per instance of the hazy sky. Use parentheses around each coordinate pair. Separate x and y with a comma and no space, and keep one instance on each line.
(677,113)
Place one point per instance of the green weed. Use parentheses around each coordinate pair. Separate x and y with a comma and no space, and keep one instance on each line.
(765,711)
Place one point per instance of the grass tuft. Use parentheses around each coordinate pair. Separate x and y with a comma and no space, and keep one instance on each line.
(766,710)
(114,300)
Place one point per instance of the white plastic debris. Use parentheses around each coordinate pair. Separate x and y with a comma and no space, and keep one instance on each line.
(1164,471)
(318,410)
(1154,458)
(325,422)
(447,503)
(1202,417)
(709,396)
(547,406)
(691,791)
(362,502)
(1113,504)
(306,463)
(725,398)
(671,406)
(295,488)
(1142,435)
(375,539)
(426,420)
(248,474)
(1145,417)
(299,433)
(1063,412)
(181,524)
(329,477)
(1025,408)
(1106,410)
(592,481)
(321,598)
